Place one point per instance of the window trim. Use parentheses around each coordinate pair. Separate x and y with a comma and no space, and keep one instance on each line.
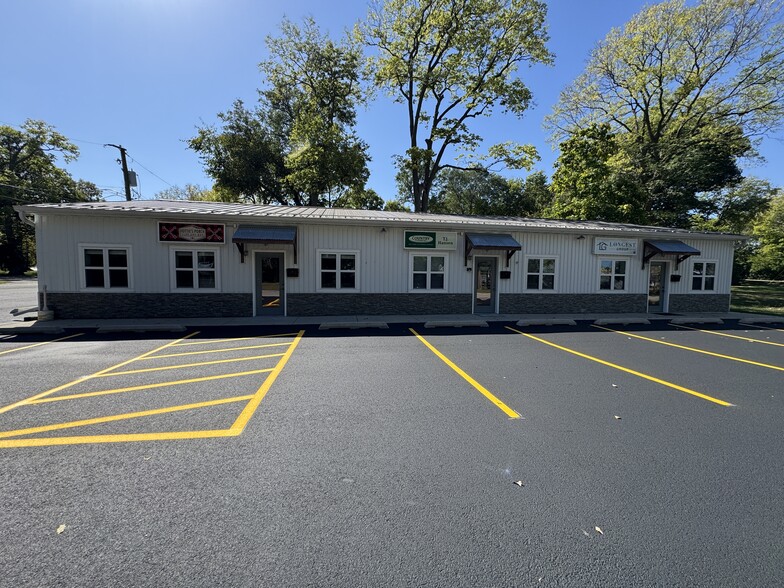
(526,273)
(428,290)
(626,275)
(692,276)
(194,248)
(105,248)
(338,252)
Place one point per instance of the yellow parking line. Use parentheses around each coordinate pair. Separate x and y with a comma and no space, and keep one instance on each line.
(762,327)
(148,386)
(43,442)
(39,344)
(624,369)
(234,339)
(185,365)
(694,349)
(239,425)
(489,395)
(217,350)
(731,336)
(121,417)
(95,375)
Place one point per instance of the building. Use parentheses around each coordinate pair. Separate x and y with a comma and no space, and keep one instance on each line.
(154,259)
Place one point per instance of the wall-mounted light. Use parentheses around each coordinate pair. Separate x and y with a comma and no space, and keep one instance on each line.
(383,229)
(580,237)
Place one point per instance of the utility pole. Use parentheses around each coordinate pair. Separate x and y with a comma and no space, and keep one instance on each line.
(124,168)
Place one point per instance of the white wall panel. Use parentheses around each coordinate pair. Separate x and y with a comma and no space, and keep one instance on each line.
(383,261)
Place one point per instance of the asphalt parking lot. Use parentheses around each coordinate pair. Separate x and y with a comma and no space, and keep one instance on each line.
(506,456)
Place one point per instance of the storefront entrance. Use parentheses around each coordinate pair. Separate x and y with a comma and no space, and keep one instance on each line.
(657,286)
(484,285)
(268,283)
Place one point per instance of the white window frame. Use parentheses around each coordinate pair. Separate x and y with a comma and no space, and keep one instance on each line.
(105,247)
(429,255)
(626,276)
(702,280)
(541,273)
(338,252)
(194,250)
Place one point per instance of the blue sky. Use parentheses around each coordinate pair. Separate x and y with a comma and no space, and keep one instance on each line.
(145,73)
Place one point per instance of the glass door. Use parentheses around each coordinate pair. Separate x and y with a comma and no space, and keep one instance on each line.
(657,274)
(269,283)
(484,285)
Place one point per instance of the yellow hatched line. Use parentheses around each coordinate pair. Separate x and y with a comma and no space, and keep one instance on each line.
(169,436)
(234,339)
(185,365)
(39,344)
(484,391)
(148,386)
(625,369)
(731,336)
(239,425)
(121,417)
(694,349)
(95,375)
(218,350)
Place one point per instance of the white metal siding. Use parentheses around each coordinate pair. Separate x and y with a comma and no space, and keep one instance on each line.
(383,261)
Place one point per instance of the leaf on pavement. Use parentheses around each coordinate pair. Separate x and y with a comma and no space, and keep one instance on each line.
(599,530)
(60,529)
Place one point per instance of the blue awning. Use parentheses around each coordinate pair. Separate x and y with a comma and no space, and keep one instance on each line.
(264,235)
(491,242)
(679,249)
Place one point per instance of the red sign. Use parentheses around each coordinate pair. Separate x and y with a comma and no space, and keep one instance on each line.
(191,233)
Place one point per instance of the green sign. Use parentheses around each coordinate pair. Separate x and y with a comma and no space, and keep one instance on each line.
(430,240)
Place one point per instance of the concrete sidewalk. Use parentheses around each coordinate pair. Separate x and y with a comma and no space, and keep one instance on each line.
(19,327)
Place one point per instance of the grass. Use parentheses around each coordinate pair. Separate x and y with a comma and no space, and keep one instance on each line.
(759,296)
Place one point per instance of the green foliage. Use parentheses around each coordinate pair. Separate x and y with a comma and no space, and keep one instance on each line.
(682,91)
(298,145)
(488,194)
(451,62)
(242,156)
(360,198)
(195,192)
(29,173)
(768,262)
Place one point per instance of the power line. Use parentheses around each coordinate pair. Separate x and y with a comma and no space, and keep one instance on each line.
(150,171)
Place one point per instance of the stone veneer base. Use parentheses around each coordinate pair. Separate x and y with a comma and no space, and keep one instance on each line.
(572,303)
(100,305)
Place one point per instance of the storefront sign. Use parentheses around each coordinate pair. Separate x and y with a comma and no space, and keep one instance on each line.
(190,232)
(602,246)
(430,240)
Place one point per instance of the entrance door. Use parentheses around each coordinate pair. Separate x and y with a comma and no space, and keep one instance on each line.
(268,283)
(657,284)
(484,285)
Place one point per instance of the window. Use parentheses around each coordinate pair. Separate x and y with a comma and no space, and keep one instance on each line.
(105,267)
(337,270)
(194,269)
(703,275)
(428,272)
(540,273)
(612,274)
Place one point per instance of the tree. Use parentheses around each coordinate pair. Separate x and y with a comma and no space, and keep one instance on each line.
(29,174)
(242,156)
(360,198)
(298,145)
(452,62)
(683,91)
(736,210)
(768,261)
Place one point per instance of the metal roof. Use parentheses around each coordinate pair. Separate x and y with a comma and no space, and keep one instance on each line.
(231,212)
